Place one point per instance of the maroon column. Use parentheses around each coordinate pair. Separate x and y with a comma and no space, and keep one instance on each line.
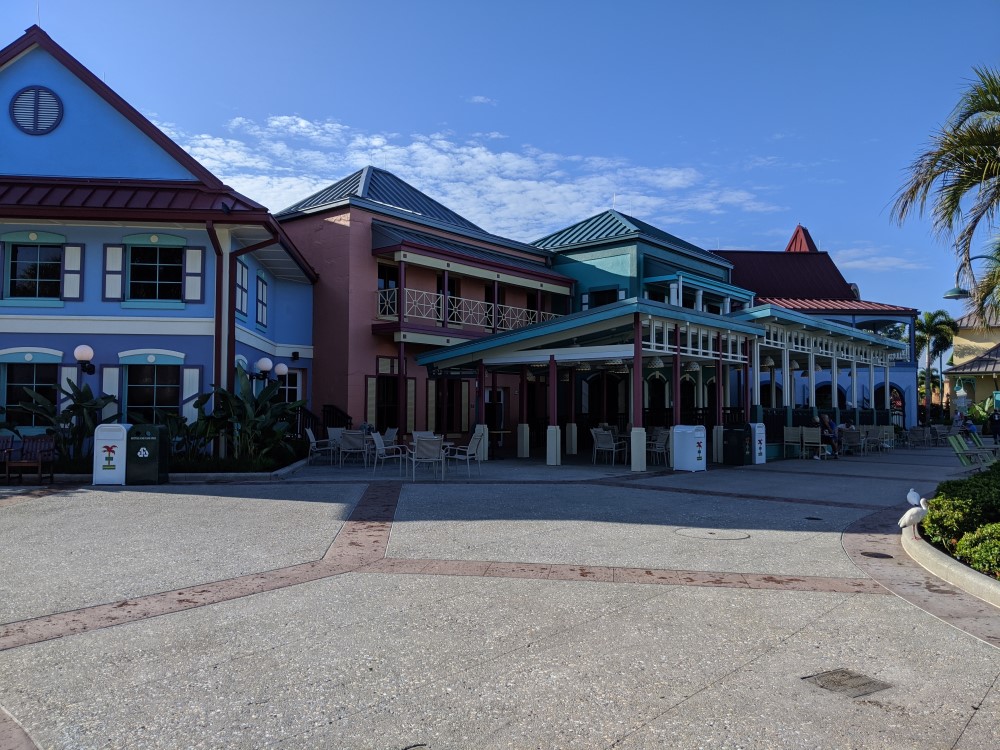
(480,392)
(553,387)
(746,381)
(401,389)
(444,300)
(496,305)
(522,406)
(677,373)
(443,385)
(493,387)
(401,295)
(572,395)
(637,373)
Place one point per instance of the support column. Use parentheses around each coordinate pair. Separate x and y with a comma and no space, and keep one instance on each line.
(885,394)
(571,429)
(401,389)
(871,386)
(835,386)
(812,381)
(481,428)
(755,395)
(721,382)
(401,294)
(786,378)
(698,297)
(523,432)
(444,302)
(553,438)
(638,436)
(677,374)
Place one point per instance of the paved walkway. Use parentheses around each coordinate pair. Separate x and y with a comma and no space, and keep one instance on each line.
(573,606)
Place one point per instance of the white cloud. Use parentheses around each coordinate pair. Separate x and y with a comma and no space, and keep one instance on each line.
(875,259)
(481,100)
(520,192)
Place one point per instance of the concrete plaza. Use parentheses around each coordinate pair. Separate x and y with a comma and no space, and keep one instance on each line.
(529,607)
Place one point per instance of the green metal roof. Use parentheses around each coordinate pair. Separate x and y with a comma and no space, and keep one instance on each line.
(614,225)
(783,315)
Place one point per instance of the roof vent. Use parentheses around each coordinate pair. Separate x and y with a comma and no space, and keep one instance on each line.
(36,110)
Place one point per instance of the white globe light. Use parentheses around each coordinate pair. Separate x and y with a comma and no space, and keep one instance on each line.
(281,369)
(264,364)
(83,353)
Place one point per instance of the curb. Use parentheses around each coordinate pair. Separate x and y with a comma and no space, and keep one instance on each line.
(950,570)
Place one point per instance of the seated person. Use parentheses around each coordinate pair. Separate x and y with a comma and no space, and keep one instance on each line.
(829,435)
(970,426)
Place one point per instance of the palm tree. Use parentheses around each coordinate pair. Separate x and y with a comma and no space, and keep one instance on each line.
(960,175)
(934,332)
(927,376)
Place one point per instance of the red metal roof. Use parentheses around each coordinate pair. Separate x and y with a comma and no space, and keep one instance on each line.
(795,275)
(839,306)
(801,242)
(94,199)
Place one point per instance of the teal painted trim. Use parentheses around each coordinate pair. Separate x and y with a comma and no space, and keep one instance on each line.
(701,282)
(40,238)
(164,240)
(37,358)
(152,304)
(140,359)
(820,324)
(567,323)
(31,302)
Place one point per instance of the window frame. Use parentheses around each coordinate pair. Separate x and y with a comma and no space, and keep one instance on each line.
(50,390)
(128,407)
(261,301)
(242,288)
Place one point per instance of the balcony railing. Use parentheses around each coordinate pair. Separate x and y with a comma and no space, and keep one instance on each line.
(429,307)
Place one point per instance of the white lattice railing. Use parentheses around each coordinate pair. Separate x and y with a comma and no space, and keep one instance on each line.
(429,306)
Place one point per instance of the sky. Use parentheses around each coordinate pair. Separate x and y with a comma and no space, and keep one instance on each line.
(723,123)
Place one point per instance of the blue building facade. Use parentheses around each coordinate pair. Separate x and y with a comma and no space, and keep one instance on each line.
(118,247)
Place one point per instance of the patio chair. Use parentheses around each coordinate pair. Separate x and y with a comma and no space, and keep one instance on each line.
(872,440)
(427,451)
(604,442)
(971,458)
(35,452)
(656,449)
(352,443)
(850,442)
(792,437)
(390,435)
(812,442)
(977,442)
(385,452)
(887,434)
(320,447)
(423,435)
(467,453)
(916,437)
(6,443)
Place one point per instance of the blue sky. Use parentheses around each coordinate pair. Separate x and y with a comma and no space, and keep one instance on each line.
(725,123)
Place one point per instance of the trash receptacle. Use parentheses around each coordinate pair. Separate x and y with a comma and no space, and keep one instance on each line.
(736,448)
(110,453)
(148,455)
(758,437)
(687,448)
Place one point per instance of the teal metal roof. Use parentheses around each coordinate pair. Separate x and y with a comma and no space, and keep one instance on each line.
(382,187)
(613,225)
(568,324)
(783,315)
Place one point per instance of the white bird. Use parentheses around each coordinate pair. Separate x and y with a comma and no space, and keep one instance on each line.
(913,497)
(914,516)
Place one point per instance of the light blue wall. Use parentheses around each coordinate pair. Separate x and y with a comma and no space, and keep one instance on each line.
(94,239)
(93,139)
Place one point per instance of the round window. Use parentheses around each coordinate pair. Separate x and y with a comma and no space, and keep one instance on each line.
(36,110)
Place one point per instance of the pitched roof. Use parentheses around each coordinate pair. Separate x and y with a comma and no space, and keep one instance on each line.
(836,306)
(791,275)
(382,187)
(972,320)
(390,235)
(801,242)
(34,37)
(985,364)
(614,225)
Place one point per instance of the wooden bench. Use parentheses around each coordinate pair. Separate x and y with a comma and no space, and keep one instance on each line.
(35,452)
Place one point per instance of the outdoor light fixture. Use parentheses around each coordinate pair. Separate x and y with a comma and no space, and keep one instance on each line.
(264,367)
(583,367)
(656,364)
(768,362)
(958,292)
(613,363)
(280,370)
(692,367)
(83,355)
(794,364)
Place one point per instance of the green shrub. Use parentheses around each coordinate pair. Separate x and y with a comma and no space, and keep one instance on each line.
(961,506)
(980,550)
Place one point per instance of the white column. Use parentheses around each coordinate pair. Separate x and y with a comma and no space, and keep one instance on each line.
(553,446)
(523,437)
(698,299)
(755,364)
(834,377)
(854,382)
(871,385)
(638,446)
(699,397)
(812,380)
(673,294)
(785,378)
(886,389)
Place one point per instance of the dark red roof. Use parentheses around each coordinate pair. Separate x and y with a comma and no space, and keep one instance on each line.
(59,198)
(801,242)
(837,306)
(795,275)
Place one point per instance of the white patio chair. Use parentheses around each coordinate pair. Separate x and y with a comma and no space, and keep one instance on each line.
(390,435)
(352,443)
(657,449)
(468,453)
(385,452)
(812,442)
(793,438)
(427,451)
(320,447)
(604,442)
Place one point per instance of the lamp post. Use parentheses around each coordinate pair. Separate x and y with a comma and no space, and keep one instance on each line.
(958,292)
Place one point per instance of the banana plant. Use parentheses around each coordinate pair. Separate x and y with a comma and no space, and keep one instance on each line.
(74,426)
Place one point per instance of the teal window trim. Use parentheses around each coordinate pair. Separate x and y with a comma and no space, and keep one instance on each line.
(152,304)
(155,239)
(33,238)
(30,302)
(242,288)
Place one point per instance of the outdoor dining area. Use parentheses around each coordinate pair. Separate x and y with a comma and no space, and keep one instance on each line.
(372,448)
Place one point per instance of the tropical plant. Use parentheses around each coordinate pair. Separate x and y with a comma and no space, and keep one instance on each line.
(255,425)
(5,425)
(960,175)
(190,441)
(73,426)
(925,377)
(934,333)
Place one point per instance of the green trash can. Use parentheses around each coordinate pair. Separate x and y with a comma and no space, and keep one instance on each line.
(148,449)
(736,446)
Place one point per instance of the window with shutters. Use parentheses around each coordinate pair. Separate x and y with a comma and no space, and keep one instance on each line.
(156,273)
(261,302)
(150,391)
(242,287)
(34,272)
(153,270)
(41,378)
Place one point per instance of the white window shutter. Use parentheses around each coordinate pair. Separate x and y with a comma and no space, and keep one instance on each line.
(109,384)
(194,271)
(190,386)
(114,272)
(72,286)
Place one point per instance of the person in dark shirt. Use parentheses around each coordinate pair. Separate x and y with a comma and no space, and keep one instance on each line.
(828,434)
